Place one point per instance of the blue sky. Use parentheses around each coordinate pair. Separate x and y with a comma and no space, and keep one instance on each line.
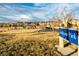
(34,11)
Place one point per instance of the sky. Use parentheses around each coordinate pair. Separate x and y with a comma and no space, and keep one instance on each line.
(13,12)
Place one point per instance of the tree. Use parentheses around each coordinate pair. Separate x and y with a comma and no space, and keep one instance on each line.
(66,15)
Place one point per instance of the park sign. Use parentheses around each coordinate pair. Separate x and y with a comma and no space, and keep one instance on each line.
(70,35)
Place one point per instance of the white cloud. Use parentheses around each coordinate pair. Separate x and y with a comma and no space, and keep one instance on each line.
(18,17)
(24,17)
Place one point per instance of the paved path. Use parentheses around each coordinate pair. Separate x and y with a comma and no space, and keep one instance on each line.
(67,51)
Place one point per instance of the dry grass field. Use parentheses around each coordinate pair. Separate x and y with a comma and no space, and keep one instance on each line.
(29,42)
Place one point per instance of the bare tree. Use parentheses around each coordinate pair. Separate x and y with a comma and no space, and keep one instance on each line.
(66,15)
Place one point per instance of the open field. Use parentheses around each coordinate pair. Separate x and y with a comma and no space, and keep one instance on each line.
(33,29)
(28,42)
